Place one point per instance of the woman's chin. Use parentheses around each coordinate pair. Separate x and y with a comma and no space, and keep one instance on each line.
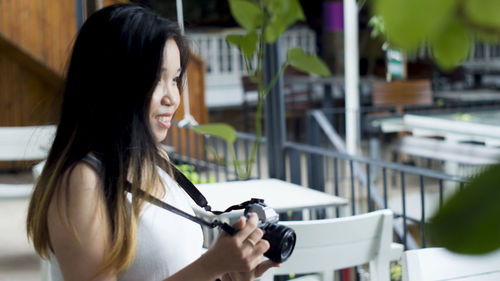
(160,137)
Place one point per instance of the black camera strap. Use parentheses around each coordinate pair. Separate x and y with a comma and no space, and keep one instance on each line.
(198,198)
(159,203)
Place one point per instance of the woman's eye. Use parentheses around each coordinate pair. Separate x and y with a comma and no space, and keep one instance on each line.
(176,79)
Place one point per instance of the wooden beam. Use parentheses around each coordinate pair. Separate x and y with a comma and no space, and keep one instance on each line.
(11,50)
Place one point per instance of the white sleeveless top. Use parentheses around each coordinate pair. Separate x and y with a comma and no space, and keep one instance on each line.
(166,242)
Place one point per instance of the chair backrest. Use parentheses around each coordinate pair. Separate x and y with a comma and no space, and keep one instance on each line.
(416,92)
(29,143)
(331,244)
(441,264)
(25,143)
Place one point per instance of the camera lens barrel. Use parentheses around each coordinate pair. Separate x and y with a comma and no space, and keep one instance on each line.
(281,240)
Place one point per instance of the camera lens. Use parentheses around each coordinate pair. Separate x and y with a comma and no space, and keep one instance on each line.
(281,240)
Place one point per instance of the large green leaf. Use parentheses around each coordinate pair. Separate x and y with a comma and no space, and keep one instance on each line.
(452,46)
(483,12)
(297,58)
(469,222)
(283,13)
(487,36)
(246,43)
(247,14)
(409,22)
(219,130)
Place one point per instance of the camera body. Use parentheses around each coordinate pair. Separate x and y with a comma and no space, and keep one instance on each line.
(281,238)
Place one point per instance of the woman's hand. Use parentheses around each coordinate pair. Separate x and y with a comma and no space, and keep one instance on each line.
(239,257)
(251,275)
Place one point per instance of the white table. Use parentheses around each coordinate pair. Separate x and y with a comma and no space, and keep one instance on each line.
(278,194)
(455,129)
(482,95)
(282,196)
(481,126)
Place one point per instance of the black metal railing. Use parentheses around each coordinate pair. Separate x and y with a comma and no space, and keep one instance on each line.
(404,189)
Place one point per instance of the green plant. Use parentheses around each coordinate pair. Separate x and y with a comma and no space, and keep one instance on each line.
(191,174)
(396,272)
(448,26)
(263,21)
(469,220)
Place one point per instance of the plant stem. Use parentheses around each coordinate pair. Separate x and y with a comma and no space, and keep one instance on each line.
(275,79)
(260,101)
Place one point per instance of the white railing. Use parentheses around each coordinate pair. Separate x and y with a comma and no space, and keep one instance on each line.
(224,64)
(482,58)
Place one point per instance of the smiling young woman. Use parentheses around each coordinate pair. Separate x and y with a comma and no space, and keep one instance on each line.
(122,88)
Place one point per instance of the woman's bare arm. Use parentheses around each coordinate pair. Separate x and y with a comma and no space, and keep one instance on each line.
(80,257)
(80,246)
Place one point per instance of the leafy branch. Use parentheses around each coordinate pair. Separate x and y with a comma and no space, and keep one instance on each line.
(448,26)
(263,21)
(468,221)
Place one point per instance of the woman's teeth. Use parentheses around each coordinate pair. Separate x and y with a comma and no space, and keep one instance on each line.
(164,118)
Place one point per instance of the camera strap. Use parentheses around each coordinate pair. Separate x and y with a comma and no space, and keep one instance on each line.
(198,198)
(159,203)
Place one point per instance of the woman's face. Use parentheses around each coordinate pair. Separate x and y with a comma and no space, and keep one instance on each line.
(166,97)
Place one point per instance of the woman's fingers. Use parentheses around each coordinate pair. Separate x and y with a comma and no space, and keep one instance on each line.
(239,224)
(249,226)
(258,251)
(254,237)
(264,266)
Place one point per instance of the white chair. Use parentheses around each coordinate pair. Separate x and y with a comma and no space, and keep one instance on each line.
(27,143)
(441,264)
(324,246)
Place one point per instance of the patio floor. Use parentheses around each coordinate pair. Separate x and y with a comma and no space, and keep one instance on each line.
(18,260)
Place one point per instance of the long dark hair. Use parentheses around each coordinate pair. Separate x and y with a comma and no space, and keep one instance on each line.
(114,68)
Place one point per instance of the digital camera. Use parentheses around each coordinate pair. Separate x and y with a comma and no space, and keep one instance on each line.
(281,238)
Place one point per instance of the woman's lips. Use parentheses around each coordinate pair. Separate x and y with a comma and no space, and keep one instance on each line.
(165,121)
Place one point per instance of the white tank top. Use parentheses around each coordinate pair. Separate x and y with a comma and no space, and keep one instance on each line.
(166,242)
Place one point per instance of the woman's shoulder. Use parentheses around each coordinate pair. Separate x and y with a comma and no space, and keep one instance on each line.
(82,176)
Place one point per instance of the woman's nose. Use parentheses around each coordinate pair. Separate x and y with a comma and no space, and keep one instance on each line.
(168,98)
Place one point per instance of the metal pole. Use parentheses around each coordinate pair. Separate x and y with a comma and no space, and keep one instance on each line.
(187,119)
(351,76)
(80,14)
(274,120)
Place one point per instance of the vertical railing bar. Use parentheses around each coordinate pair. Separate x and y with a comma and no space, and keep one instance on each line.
(179,141)
(336,182)
(368,183)
(170,138)
(226,160)
(351,167)
(245,141)
(216,146)
(236,149)
(384,177)
(441,193)
(259,166)
(403,198)
(197,154)
(422,219)
(205,155)
(294,166)
(188,143)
